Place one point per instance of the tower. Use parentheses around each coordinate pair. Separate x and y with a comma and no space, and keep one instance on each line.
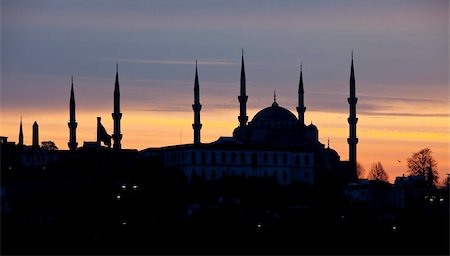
(20,133)
(243,118)
(352,120)
(35,135)
(72,123)
(196,107)
(116,115)
(301,99)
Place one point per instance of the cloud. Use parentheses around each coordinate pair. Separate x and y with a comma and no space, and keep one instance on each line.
(405,99)
(220,62)
(400,114)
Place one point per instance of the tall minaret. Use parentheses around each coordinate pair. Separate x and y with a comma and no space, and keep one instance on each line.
(20,133)
(35,135)
(72,123)
(117,137)
(196,107)
(243,118)
(352,120)
(301,99)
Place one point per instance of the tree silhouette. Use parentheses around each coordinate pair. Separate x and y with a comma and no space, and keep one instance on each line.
(446,181)
(48,145)
(377,172)
(423,164)
(360,170)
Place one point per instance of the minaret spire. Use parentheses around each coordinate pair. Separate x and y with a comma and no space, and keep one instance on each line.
(243,118)
(301,99)
(352,120)
(20,133)
(116,115)
(196,107)
(72,123)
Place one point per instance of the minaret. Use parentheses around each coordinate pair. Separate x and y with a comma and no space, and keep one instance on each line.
(72,123)
(117,137)
(243,118)
(196,107)
(20,133)
(35,135)
(301,99)
(352,120)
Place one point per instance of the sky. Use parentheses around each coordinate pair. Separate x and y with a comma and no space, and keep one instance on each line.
(401,56)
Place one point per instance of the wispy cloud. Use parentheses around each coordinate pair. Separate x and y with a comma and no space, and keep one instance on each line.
(400,114)
(405,99)
(219,62)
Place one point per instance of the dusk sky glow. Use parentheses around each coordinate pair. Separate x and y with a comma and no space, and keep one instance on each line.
(401,54)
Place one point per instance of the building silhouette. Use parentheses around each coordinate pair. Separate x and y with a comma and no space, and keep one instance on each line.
(35,135)
(20,134)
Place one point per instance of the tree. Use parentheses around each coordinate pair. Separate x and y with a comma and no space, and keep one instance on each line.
(48,145)
(423,164)
(377,172)
(446,181)
(360,170)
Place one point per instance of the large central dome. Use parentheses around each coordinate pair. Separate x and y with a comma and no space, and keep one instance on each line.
(274,117)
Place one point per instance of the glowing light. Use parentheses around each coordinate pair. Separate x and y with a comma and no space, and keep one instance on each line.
(124,186)
(118,197)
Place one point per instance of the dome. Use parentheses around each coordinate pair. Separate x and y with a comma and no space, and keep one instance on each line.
(274,115)
(312,127)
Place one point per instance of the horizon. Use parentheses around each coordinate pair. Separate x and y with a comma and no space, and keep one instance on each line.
(401,73)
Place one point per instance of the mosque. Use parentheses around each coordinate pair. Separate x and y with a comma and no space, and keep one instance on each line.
(275,144)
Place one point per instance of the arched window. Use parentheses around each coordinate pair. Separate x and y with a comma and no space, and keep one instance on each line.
(242,157)
(203,157)
(284,158)
(254,161)
(224,157)
(193,157)
(213,157)
(306,159)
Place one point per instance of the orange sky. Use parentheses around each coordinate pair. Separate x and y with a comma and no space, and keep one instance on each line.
(381,138)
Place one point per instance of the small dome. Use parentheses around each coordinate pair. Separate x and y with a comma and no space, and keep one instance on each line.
(274,115)
(312,127)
